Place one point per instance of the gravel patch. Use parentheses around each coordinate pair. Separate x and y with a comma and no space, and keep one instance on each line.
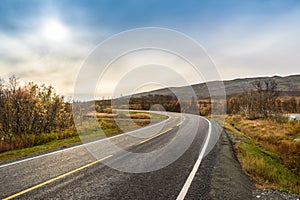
(266,194)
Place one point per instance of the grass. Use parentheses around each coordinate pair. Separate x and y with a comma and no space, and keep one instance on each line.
(267,151)
(158,116)
(266,168)
(88,131)
(143,115)
(56,144)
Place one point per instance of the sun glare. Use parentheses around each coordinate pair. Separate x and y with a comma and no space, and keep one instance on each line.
(55,30)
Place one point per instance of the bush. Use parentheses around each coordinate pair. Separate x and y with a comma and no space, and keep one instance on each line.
(30,114)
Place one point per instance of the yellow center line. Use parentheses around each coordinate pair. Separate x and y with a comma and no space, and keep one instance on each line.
(56,178)
(159,134)
(179,123)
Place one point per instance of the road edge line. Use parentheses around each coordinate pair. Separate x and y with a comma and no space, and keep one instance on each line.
(190,178)
(80,145)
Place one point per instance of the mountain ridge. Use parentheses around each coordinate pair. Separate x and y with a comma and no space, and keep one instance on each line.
(286,85)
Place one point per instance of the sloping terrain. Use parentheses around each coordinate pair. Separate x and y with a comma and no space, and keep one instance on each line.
(289,85)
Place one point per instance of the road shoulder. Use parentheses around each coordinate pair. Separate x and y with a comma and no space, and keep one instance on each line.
(228,179)
(263,194)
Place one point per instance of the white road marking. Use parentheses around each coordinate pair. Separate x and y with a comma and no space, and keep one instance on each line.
(81,145)
(189,180)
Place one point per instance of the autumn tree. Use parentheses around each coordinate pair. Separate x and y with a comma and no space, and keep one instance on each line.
(31,109)
(261,101)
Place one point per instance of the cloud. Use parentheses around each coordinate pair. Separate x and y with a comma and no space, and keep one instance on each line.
(32,57)
(243,38)
(257,45)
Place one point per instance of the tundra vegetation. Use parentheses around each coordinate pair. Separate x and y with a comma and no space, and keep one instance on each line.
(35,118)
(268,150)
(266,141)
(32,115)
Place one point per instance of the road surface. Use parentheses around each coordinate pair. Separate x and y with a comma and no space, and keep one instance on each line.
(75,173)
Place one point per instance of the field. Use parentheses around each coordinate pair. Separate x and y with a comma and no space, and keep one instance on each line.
(110,125)
(268,151)
(114,123)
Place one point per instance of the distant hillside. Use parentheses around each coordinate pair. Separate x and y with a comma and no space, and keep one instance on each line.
(289,85)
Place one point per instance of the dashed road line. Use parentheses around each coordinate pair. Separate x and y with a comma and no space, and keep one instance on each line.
(159,134)
(179,123)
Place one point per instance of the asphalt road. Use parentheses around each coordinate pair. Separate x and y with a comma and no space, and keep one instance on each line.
(154,162)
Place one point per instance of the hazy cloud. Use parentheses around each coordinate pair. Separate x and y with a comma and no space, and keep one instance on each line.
(244,39)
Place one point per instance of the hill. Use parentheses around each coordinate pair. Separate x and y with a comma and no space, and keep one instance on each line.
(289,85)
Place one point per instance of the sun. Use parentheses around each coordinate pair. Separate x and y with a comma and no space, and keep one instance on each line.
(55,31)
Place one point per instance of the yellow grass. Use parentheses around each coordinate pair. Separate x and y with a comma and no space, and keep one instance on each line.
(270,151)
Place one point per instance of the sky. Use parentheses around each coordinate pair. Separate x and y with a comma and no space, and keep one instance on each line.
(48,41)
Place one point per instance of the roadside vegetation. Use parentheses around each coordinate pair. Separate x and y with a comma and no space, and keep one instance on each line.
(266,142)
(89,132)
(114,123)
(32,115)
(34,119)
(268,151)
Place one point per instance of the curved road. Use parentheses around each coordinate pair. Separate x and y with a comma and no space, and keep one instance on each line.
(74,173)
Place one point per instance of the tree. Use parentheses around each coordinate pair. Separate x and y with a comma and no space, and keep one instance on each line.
(31,109)
(267,95)
(260,102)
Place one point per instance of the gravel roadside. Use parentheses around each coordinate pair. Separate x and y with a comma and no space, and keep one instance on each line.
(228,179)
(266,194)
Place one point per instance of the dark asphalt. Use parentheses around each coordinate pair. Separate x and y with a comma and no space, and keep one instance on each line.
(100,181)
